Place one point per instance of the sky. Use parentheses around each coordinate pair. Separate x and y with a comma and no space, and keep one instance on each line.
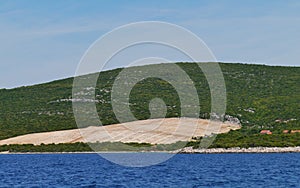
(44,40)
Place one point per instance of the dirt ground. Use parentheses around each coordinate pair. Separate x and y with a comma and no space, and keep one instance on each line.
(154,131)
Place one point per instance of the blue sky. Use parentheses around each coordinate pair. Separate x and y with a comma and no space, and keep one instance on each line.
(44,40)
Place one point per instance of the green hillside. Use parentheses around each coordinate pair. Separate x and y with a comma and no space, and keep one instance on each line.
(257,95)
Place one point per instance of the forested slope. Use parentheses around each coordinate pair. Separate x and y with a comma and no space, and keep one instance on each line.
(261,97)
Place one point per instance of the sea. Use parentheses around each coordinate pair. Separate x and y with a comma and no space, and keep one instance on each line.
(181,170)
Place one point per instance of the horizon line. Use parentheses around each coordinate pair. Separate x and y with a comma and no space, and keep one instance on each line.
(114,68)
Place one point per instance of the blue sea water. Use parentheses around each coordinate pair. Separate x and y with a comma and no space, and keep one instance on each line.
(183,170)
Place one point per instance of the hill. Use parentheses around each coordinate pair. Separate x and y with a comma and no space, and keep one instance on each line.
(261,97)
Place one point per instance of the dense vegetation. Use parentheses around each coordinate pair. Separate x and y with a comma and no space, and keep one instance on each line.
(91,147)
(261,97)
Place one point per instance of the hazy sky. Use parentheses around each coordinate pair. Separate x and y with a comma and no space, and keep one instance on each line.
(44,40)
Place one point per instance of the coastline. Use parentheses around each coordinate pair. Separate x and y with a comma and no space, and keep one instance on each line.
(190,150)
(186,150)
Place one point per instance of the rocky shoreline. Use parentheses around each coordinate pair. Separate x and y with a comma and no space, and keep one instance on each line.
(190,150)
(187,150)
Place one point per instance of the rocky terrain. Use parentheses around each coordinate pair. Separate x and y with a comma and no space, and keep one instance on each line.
(154,131)
(241,150)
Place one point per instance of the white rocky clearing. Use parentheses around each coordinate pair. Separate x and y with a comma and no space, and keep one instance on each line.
(154,131)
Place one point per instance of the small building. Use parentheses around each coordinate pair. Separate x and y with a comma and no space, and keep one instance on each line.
(265,132)
(285,131)
(295,131)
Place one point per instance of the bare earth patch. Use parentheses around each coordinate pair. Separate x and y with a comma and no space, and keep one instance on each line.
(154,131)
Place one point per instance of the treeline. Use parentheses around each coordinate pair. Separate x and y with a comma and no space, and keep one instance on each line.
(91,147)
(246,140)
(72,147)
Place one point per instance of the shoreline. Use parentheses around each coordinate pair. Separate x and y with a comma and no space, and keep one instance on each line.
(190,150)
(187,150)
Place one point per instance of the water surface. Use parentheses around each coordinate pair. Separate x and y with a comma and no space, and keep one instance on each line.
(183,170)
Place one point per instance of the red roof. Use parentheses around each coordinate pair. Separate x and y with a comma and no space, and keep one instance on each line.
(295,131)
(285,131)
(265,132)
